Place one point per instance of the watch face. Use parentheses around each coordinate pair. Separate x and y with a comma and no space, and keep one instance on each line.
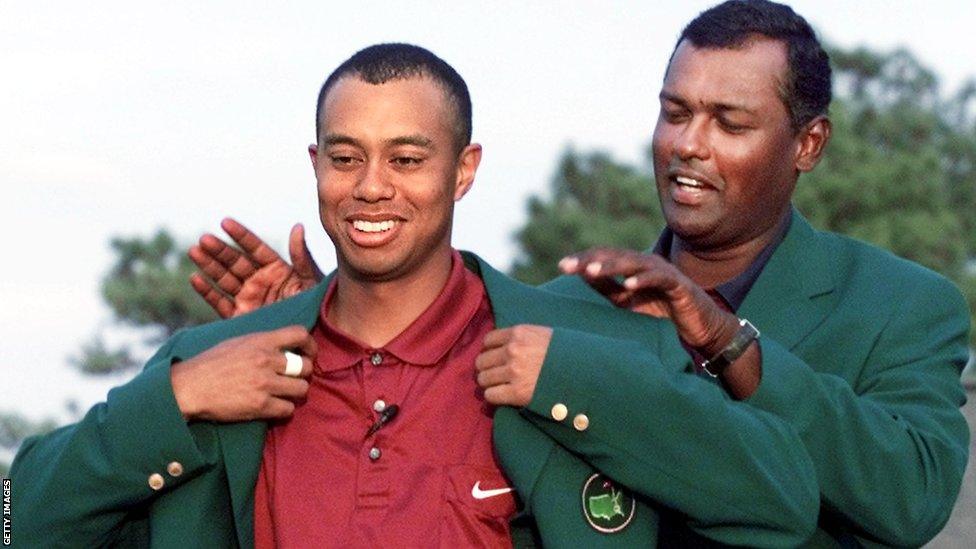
(740,342)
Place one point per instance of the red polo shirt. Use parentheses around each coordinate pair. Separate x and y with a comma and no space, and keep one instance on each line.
(428,477)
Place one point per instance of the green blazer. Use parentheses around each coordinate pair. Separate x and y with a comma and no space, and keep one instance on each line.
(861,355)
(674,440)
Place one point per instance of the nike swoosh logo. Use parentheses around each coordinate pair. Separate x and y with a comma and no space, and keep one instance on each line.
(478,493)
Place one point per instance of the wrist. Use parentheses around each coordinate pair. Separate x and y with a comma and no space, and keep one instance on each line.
(728,327)
(181,392)
(745,335)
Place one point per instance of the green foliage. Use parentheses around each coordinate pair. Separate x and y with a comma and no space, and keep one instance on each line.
(146,288)
(900,170)
(97,358)
(14,428)
(595,201)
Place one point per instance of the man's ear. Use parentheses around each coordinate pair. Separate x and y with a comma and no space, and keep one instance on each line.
(468,162)
(313,153)
(813,140)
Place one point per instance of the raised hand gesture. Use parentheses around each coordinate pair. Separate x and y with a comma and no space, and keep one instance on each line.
(237,281)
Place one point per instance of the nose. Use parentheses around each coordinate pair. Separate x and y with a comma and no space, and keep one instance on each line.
(692,141)
(373,185)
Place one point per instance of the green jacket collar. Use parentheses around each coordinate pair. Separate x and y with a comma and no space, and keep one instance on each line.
(785,301)
(517,442)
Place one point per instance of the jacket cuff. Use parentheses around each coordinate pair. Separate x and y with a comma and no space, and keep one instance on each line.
(568,374)
(166,448)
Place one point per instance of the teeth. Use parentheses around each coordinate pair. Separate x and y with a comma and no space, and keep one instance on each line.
(682,180)
(371,227)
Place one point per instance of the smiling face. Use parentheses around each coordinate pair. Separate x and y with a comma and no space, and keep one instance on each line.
(389,172)
(726,158)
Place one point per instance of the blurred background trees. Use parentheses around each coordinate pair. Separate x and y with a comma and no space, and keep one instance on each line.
(147,289)
(900,172)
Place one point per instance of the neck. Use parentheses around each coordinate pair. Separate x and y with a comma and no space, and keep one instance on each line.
(711,266)
(375,312)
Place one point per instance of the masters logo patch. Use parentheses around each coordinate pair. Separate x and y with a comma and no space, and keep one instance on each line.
(606,505)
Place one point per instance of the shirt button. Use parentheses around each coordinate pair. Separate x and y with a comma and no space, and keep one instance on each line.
(374,453)
(156,481)
(174,469)
(376,359)
(581,422)
(379,405)
(559,411)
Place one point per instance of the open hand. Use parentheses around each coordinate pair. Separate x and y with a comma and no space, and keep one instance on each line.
(648,284)
(235,282)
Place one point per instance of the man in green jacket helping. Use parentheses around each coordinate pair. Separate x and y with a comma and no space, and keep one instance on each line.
(360,413)
(859,353)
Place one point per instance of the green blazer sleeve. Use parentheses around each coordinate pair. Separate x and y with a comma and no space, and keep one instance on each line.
(880,418)
(742,474)
(84,484)
(861,355)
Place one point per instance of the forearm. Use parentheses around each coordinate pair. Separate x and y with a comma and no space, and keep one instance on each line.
(741,475)
(77,485)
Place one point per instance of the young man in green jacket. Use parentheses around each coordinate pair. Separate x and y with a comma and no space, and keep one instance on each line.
(860,351)
(350,414)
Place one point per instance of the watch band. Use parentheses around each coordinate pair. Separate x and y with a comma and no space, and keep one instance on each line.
(743,338)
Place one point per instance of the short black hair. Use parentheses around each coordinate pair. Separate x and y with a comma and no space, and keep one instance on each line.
(382,63)
(733,24)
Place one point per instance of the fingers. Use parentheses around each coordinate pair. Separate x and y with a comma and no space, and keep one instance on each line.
(607,262)
(277,408)
(490,358)
(293,338)
(218,301)
(501,395)
(493,376)
(253,246)
(496,338)
(215,259)
(301,258)
(661,280)
(240,264)
(290,388)
(307,365)
(603,269)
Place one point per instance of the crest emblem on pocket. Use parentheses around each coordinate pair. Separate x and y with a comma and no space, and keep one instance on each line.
(608,508)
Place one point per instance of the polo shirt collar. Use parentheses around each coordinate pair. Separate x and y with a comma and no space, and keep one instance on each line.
(425,341)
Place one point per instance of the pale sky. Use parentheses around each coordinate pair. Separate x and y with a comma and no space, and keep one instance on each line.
(121,117)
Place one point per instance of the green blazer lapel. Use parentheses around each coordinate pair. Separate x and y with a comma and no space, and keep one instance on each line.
(522,449)
(787,300)
(242,443)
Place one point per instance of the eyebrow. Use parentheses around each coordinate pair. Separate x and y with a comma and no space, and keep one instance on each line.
(715,107)
(416,140)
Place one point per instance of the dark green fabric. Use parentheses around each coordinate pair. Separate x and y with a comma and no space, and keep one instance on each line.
(86,485)
(861,356)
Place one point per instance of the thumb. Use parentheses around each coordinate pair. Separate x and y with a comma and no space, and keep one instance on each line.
(301,257)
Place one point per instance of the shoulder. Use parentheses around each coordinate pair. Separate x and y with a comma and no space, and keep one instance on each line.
(573,286)
(299,309)
(884,274)
(514,302)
